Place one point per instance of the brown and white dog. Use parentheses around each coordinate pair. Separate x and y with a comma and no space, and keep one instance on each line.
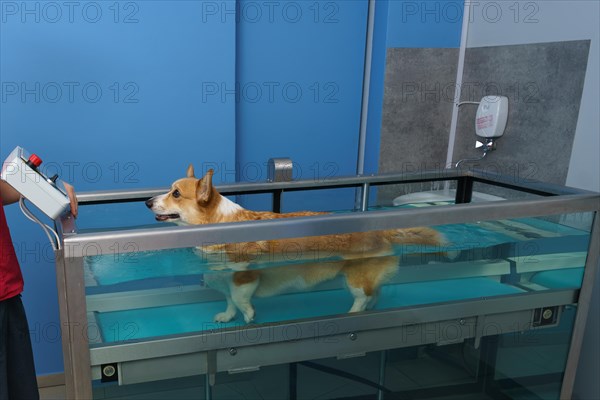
(365,259)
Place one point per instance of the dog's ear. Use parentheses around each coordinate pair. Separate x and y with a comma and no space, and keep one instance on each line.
(190,171)
(204,188)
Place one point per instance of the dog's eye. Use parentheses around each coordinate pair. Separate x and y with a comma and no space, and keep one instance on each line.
(176,194)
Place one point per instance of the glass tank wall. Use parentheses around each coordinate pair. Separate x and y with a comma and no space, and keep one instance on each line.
(143,295)
(461,290)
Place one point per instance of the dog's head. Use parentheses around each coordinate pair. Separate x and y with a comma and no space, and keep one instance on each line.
(190,200)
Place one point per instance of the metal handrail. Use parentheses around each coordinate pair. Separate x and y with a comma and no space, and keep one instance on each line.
(96,197)
(107,196)
(170,237)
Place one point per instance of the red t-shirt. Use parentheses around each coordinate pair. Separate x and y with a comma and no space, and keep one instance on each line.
(11,280)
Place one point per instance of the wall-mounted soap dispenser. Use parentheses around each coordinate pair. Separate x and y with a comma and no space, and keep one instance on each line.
(490,123)
(490,120)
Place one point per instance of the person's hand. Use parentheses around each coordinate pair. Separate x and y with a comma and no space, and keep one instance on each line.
(72,198)
(8,193)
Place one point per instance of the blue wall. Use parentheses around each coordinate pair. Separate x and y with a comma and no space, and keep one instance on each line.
(307,70)
(424,23)
(168,72)
(151,61)
(405,24)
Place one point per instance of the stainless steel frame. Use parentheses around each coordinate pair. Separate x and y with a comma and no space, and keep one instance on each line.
(217,350)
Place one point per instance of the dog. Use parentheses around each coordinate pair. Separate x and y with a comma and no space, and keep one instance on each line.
(365,259)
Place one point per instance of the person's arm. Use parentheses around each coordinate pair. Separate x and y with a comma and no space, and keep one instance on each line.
(9,194)
(72,198)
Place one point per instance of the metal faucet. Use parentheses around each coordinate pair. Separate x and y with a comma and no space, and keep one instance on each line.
(487,146)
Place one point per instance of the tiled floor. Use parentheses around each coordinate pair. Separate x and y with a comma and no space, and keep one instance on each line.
(406,370)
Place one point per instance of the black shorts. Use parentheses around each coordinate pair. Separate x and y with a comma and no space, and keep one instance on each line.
(17,371)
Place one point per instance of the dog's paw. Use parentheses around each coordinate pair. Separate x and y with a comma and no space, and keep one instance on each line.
(224,317)
(449,250)
(452,254)
(238,266)
(249,316)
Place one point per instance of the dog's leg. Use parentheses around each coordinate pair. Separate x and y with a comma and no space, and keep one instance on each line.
(361,299)
(242,288)
(241,297)
(221,281)
(373,300)
(364,278)
(228,314)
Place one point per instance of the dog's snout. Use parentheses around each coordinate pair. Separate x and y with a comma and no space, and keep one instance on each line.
(150,202)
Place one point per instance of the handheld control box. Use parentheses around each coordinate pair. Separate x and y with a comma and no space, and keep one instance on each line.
(21,171)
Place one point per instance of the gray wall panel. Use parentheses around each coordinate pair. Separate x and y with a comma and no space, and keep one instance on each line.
(544,84)
(417,109)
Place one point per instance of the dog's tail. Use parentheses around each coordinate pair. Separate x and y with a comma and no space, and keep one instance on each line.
(425,237)
(420,235)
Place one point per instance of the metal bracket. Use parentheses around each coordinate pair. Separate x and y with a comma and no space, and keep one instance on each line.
(280,169)
(479,325)
(242,370)
(211,372)
(211,367)
(351,355)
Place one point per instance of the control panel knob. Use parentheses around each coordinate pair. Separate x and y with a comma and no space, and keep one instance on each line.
(34,161)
